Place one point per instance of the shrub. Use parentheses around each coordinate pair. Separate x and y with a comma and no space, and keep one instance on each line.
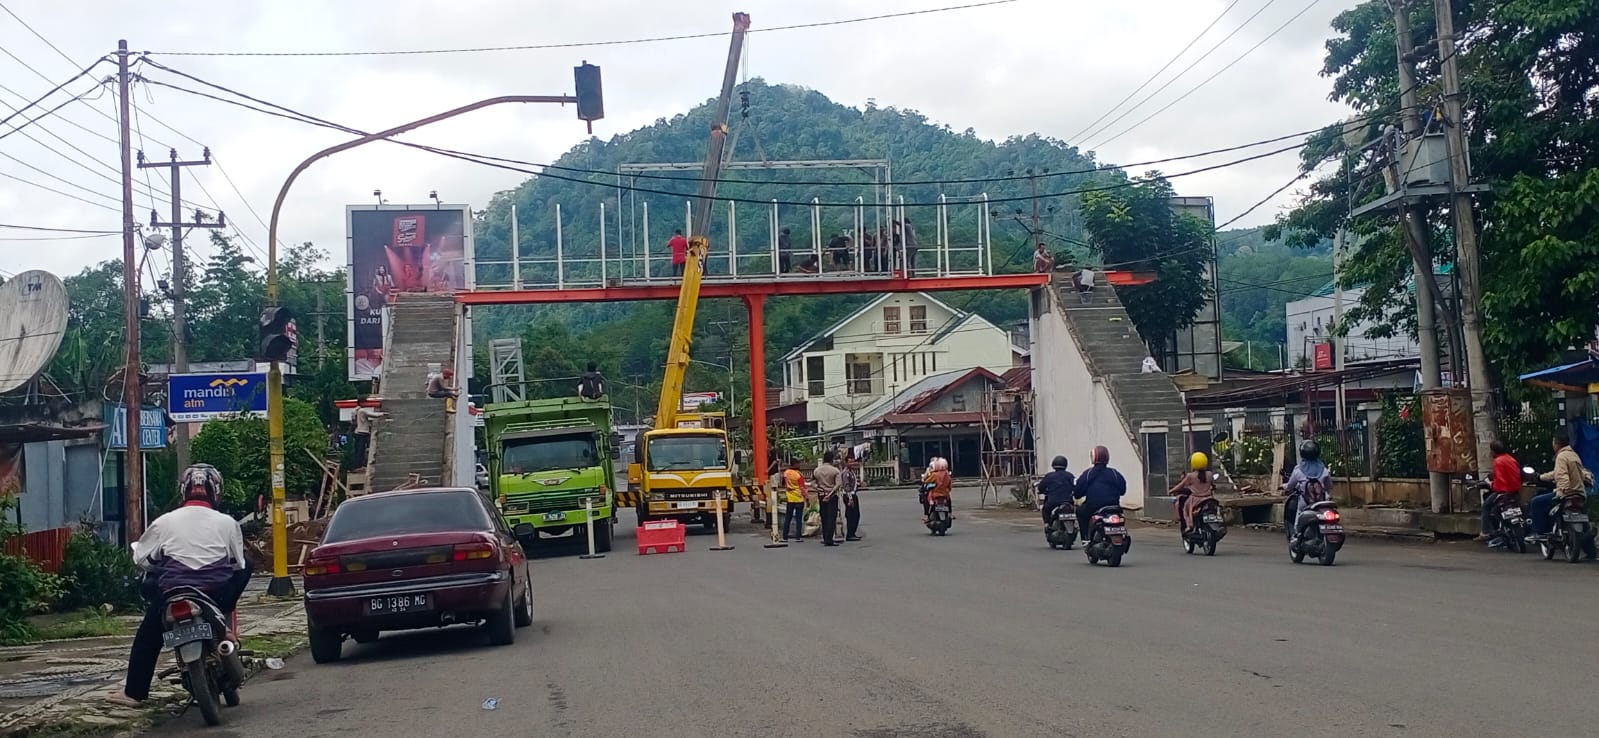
(1401,447)
(98,573)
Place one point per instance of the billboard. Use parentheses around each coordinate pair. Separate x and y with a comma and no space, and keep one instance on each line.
(393,249)
(196,398)
(152,427)
(693,400)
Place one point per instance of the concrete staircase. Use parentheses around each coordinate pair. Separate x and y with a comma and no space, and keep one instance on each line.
(1115,352)
(415,437)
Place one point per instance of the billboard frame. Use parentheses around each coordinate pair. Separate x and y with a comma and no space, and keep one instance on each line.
(468,264)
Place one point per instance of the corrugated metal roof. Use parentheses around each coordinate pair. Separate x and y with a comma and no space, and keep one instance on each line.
(913,398)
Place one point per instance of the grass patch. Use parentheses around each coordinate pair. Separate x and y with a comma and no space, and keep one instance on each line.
(78,624)
(273,645)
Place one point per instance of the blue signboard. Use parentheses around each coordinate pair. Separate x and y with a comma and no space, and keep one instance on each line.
(152,427)
(195,398)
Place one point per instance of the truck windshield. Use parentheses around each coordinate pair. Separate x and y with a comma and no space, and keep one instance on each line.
(547,453)
(687,452)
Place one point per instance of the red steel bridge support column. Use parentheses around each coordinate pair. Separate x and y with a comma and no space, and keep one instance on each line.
(756,304)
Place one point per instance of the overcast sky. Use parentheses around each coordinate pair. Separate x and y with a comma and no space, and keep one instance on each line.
(1045,66)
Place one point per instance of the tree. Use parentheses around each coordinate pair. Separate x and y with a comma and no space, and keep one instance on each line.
(1136,228)
(1531,76)
(238,449)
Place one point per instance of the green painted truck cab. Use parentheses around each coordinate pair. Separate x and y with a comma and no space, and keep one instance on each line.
(546,458)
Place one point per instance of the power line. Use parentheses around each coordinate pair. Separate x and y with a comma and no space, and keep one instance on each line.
(521,166)
(586,44)
(85,71)
(59,192)
(70,121)
(56,230)
(1158,72)
(1214,75)
(59,238)
(1185,70)
(58,178)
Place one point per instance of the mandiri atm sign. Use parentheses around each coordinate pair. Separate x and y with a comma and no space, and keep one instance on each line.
(196,398)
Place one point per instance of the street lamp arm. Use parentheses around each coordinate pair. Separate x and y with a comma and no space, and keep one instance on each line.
(283,193)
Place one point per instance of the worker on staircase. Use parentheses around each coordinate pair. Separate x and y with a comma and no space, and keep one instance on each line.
(441,386)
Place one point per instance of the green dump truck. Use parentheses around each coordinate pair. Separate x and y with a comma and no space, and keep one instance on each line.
(545,458)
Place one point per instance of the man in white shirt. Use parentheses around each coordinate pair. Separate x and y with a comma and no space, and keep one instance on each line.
(192,546)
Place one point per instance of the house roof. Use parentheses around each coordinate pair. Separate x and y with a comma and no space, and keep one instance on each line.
(961,316)
(1018,378)
(1275,386)
(916,398)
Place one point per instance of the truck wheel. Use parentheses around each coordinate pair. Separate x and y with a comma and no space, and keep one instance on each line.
(602,536)
(643,512)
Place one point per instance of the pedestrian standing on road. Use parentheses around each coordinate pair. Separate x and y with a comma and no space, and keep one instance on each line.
(794,494)
(364,415)
(850,488)
(678,245)
(827,480)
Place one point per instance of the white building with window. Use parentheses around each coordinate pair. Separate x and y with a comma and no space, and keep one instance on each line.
(1310,321)
(847,371)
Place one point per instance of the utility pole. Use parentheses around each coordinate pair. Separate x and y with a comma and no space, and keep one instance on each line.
(1415,234)
(1337,327)
(132,387)
(180,324)
(1467,260)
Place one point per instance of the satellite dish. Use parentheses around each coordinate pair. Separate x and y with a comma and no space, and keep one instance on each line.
(33,318)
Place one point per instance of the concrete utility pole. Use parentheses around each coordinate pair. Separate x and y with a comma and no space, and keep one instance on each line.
(1467,259)
(180,279)
(132,387)
(1416,235)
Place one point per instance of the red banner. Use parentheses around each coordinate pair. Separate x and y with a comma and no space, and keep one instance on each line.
(1324,356)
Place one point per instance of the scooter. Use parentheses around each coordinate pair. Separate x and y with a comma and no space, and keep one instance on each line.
(1207,530)
(938,515)
(1107,539)
(209,665)
(1317,531)
(1507,522)
(1571,531)
(1062,529)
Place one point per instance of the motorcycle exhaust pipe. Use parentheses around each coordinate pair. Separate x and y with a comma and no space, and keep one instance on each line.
(226,648)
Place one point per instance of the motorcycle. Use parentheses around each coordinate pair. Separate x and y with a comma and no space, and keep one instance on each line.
(1207,529)
(1062,529)
(1318,531)
(938,515)
(1107,537)
(1571,531)
(1507,522)
(209,665)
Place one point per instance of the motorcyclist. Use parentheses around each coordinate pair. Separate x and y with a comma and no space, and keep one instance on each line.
(1504,487)
(1311,482)
(192,546)
(936,485)
(1197,486)
(1057,487)
(1100,485)
(1569,477)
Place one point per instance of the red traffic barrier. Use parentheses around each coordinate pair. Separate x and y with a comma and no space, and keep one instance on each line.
(661,536)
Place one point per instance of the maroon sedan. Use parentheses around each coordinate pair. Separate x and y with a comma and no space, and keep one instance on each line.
(418,558)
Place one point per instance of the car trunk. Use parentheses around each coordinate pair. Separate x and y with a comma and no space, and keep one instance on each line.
(400,557)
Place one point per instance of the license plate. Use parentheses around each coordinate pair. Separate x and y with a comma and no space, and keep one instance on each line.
(1212,518)
(186,633)
(1574,517)
(941,508)
(1511,513)
(555,516)
(686,505)
(1118,530)
(398,604)
(1332,529)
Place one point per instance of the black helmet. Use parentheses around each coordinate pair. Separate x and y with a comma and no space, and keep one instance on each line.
(201,482)
(1308,450)
(1059,462)
(1101,455)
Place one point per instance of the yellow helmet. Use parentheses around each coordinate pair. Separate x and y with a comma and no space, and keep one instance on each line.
(1198,462)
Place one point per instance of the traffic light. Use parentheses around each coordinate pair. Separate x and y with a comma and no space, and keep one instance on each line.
(590,99)
(279,337)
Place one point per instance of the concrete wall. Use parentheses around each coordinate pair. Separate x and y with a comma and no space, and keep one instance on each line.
(462,471)
(1073,411)
(62,484)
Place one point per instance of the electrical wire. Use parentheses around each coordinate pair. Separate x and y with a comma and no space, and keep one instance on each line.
(1213,76)
(81,73)
(57,230)
(59,178)
(17,128)
(1158,72)
(59,192)
(59,238)
(1191,65)
(587,44)
(521,166)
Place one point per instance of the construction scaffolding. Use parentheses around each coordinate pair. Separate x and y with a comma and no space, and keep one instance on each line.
(1007,449)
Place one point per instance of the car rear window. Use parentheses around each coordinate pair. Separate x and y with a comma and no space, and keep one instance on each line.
(432,512)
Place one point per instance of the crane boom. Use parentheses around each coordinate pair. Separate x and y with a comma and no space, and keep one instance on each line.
(688,296)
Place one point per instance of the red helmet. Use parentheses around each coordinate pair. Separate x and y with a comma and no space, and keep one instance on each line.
(1101,455)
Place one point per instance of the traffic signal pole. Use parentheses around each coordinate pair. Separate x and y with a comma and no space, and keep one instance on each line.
(587,102)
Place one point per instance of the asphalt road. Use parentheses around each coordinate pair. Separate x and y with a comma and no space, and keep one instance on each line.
(985,632)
